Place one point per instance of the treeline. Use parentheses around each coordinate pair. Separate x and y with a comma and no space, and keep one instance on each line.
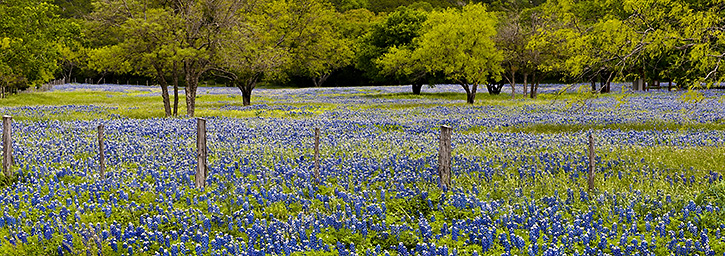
(242,43)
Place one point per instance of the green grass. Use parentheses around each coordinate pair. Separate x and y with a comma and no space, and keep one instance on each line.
(140,105)
(568,128)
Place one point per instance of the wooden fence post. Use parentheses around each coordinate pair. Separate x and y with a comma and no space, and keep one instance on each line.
(317,154)
(201,168)
(101,156)
(7,145)
(591,162)
(444,157)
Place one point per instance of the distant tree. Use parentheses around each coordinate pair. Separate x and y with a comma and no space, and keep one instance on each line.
(356,23)
(205,24)
(31,36)
(76,9)
(253,51)
(153,47)
(73,56)
(702,45)
(389,6)
(313,38)
(609,40)
(401,64)
(167,38)
(545,52)
(511,38)
(460,45)
(397,62)
(150,47)
(347,5)
(397,31)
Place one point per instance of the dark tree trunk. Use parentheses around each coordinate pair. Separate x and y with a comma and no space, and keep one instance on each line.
(534,86)
(164,90)
(176,89)
(513,84)
(318,81)
(67,76)
(102,79)
(526,77)
(471,97)
(644,80)
(603,84)
(417,88)
(246,97)
(470,92)
(594,84)
(192,82)
(669,85)
(494,88)
(246,87)
(192,71)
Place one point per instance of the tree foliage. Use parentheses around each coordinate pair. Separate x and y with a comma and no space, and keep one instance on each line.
(459,44)
(396,31)
(490,43)
(31,39)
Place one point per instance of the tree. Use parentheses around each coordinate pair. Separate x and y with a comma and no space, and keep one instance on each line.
(166,38)
(297,36)
(30,36)
(397,61)
(205,24)
(400,63)
(397,30)
(150,45)
(511,40)
(250,52)
(545,52)
(347,5)
(703,44)
(512,37)
(460,45)
(314,39)
(610,40)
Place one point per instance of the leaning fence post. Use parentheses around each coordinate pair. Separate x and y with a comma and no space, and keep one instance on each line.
(444,156)
(591,162)
(200,177)
(317,154)
(101,156)
(7,145)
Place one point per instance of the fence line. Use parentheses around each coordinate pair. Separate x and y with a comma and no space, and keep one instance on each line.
(202,151)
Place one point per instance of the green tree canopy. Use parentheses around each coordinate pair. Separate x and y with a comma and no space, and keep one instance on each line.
(459,44)
(31,37)
(397,30)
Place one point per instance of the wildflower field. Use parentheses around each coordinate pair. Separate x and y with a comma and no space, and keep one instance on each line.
(519,174)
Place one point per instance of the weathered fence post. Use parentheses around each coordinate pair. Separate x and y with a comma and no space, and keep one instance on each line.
(200,177)
(101,156)
(591,162)
(317,154)
(7,145)
(444,156)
